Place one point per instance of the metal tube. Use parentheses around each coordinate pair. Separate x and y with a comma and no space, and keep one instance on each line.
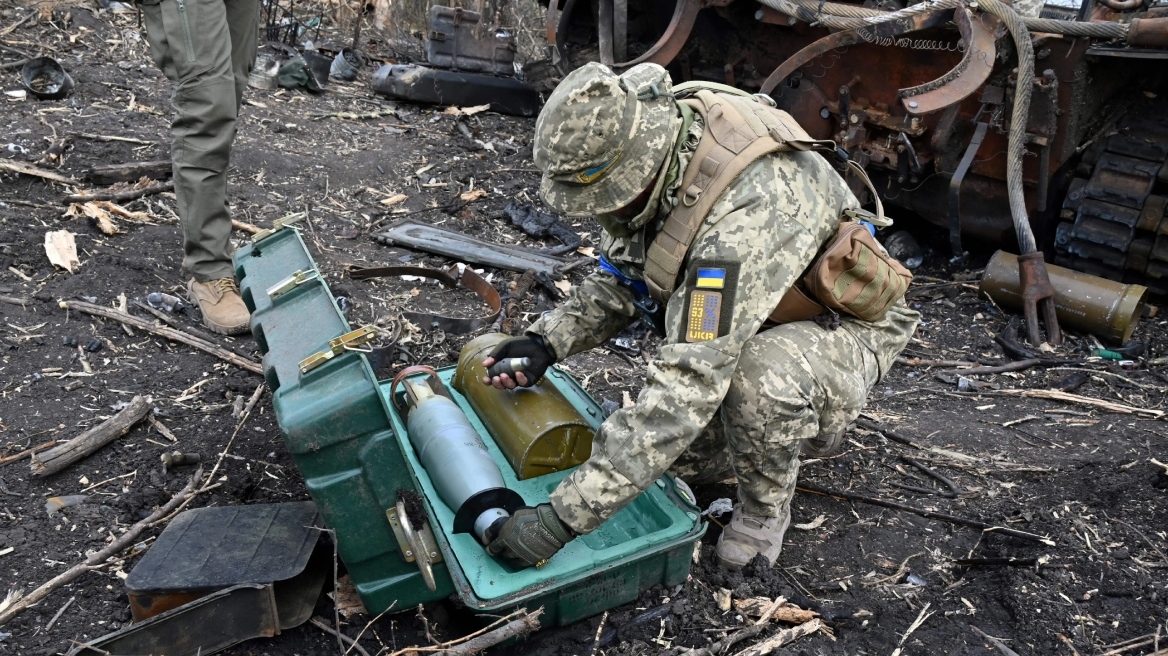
(1101,307)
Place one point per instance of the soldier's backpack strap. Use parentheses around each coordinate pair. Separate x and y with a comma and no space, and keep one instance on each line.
(739,130)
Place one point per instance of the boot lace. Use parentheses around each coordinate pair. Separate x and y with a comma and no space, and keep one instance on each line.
(225,285)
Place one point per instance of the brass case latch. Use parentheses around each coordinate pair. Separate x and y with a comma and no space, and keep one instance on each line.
(291,282)
(277,225)
(417,545)
(352,341)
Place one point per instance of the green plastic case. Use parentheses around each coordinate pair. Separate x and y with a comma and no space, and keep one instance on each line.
(353,451)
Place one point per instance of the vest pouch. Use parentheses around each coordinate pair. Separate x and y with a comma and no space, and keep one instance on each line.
(855,275)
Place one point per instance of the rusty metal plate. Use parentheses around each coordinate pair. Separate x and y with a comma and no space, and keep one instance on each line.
(977,32)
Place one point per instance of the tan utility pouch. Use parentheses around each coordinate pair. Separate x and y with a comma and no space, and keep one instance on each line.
(852,275)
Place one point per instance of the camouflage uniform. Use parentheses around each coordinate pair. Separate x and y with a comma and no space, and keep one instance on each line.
(745,397)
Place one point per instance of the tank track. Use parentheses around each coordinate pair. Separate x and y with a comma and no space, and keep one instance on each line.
(1112,221)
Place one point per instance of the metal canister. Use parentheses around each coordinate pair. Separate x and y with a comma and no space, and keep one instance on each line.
(538,430)
(1095,305)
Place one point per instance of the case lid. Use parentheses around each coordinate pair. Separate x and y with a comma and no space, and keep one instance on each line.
(211,548)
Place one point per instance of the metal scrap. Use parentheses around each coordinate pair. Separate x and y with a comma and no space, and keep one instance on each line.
(451,278)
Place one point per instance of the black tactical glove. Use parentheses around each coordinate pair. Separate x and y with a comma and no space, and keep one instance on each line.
(528,356)
(530,536)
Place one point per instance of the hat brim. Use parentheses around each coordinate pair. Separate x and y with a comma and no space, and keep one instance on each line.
(640,160)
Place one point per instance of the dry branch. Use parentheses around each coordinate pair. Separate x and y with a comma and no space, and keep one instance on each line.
(781,638)
(129,194)
(522,626)
(125,540)
(60,457)
(785,612)
(929,514)
(28,452)
(1067,397)
(28,169)
(165,331)
(246,227)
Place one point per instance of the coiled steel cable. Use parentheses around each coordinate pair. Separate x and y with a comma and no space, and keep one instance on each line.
(842,16)
(1016,146)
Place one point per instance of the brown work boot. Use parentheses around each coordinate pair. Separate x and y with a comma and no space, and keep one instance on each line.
(219,301)
(748,535)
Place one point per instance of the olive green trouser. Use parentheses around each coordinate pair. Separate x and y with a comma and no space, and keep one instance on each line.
(206,48)
(794,382)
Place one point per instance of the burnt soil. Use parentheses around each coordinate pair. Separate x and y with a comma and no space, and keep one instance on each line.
(1079,475)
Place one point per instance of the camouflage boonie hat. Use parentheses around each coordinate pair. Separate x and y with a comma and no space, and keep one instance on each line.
(601,138)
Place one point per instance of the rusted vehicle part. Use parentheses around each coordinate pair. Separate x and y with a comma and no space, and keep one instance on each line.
(458,41)
(852,37)
(849,90)
(671,43)
(1148,32)
(1113,221)
(1089,303)
(205,626)
(451,278)
(955,189)
(977,33)
(1038,294)
(1122,5)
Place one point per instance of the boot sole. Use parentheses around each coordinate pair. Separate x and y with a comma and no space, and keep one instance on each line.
(226,330)
(732,566)
(218,329)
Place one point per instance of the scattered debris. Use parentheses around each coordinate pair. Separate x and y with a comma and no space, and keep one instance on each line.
(99,557)
(420,84)
(464,248)
(451,277)
(987,528)
(165,302)
(61,247)
(56,504)
(173,459)
(60,457)
(541,224)
(785,612)
(167,332)
(44,78)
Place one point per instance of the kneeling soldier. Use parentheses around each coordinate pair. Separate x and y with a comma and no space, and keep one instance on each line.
(714,207)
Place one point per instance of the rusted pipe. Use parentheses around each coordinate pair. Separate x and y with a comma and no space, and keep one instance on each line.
(1148,32)
(1122,5)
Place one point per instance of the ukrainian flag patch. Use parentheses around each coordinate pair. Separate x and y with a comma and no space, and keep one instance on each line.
(711,279)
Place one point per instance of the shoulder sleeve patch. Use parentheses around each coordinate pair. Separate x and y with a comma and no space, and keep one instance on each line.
(703,316)
(710,306)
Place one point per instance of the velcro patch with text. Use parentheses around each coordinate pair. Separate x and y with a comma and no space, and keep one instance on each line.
(705,314)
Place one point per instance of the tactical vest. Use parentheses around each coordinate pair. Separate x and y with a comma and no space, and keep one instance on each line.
(851,274)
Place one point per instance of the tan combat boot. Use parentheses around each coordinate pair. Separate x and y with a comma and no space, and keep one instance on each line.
(747,535)
(219,301)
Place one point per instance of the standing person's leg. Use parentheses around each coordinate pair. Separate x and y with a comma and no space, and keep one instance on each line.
(191,42)
(243,22)
(795,382)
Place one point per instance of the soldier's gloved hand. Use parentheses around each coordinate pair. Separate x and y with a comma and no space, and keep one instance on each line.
(530,536)
(518,361)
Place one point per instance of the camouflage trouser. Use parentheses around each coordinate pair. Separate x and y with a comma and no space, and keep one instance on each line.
(793,382)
